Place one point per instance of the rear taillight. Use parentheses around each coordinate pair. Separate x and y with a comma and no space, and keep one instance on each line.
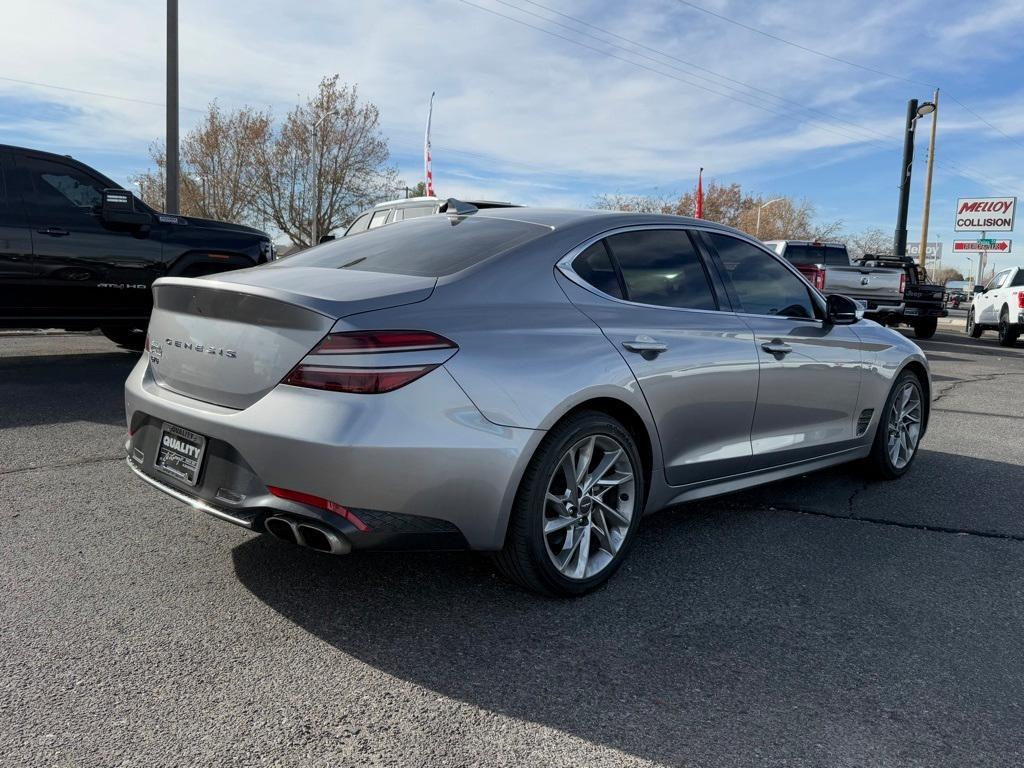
(1020,299)
(903,283)
(332,374)
(321,503)
(819,280)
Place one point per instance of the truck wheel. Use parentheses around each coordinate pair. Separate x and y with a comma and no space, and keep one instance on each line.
(1007,333)
(973,329)
(129,338)
(899,428)
(925,329)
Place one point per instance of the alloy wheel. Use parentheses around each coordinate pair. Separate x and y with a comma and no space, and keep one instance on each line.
(589,506)
(904,425)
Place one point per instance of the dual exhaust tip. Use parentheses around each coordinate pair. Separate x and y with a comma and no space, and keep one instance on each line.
(307,534)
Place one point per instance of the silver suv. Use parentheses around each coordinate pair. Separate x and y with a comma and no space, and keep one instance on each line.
(409,208)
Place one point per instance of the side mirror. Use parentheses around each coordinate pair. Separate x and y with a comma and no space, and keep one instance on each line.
(118,207)
(325,239)
(842,310)
(979,289)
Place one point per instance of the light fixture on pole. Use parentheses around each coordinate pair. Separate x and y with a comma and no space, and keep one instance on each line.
(757,229)
(316,177)
(914,111)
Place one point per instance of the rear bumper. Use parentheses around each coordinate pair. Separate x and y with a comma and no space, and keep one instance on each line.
(420,466)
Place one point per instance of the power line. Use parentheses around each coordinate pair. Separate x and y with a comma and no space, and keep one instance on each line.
(958,169)
(91,93)
(848,63)
(651,69)
(760,90)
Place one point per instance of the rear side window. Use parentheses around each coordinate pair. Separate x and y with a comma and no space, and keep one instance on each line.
(762,284)
(662,267)
(1018,279)
(379,218)
(431,246)
(830,255)
(595,266)
(419,210)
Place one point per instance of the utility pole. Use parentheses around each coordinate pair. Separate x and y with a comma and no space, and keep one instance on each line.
(900,240)
(171,186)
(928,182)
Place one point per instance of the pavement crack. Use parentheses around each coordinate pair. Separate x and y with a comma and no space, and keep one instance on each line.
(899,524)
(79,462)
(982,378)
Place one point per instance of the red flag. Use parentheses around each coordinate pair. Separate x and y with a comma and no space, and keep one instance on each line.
(700,194)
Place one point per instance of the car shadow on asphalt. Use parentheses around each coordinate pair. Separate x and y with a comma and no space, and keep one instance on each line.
(819,639)
(58,389)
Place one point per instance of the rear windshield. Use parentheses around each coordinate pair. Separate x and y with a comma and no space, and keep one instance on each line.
(430,246)
(829,255)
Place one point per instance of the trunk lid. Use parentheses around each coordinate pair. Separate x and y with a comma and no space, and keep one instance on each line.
(232,338)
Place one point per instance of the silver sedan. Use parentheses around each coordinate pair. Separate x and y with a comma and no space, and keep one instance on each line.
(526,382)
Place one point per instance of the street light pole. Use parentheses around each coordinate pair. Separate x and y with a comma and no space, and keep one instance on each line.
(900,239)
(757,229)
(316,179)
(928,181)
(171,185)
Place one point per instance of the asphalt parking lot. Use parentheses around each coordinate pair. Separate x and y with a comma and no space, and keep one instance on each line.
(821,621)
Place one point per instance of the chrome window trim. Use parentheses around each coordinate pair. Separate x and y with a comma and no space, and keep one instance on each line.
(564,265)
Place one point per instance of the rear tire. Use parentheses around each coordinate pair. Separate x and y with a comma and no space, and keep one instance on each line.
(973,329)
(565,538)
(1007,333)
(129,338)
(925,329)
(898,435)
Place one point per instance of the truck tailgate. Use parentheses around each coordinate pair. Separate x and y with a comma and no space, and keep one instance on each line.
(874,284)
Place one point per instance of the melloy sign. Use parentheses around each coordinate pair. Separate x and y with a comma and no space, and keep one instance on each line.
(985,214)
(932,253)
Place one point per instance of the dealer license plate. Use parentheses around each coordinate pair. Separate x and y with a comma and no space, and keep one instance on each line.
(180,454)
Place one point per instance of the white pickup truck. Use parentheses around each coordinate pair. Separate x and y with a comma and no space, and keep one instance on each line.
(999,306)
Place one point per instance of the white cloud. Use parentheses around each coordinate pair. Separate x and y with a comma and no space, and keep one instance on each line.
(511,99)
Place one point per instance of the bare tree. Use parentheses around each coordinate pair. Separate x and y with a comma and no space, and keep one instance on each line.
(215,159)
(874,240)
(327,161)
(785,219)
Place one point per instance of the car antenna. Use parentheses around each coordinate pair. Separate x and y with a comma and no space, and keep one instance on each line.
(454,207)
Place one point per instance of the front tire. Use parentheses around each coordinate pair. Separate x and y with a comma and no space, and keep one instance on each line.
(129,338)
(577,510)
(898,435)
(925,329)
(973,329)
(1007,333)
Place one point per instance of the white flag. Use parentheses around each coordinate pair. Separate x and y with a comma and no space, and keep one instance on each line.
(428,173)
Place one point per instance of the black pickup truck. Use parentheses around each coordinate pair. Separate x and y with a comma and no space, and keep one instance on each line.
(78,252)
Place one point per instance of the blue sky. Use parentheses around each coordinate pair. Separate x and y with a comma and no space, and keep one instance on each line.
(629,97)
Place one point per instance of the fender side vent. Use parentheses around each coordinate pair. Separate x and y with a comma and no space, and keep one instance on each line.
(864,421)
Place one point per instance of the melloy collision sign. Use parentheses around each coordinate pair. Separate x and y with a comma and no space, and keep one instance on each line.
(985,214)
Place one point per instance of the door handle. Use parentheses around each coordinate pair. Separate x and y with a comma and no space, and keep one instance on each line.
(645,344)
(776,347)
(54,232)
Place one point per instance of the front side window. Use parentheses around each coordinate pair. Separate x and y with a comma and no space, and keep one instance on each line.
(998,280)
(61,191)
(662,267)
(360,224)
(761,283)
(379,218)
(594,265)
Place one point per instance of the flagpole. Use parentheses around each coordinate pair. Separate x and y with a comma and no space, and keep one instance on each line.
(428,173)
